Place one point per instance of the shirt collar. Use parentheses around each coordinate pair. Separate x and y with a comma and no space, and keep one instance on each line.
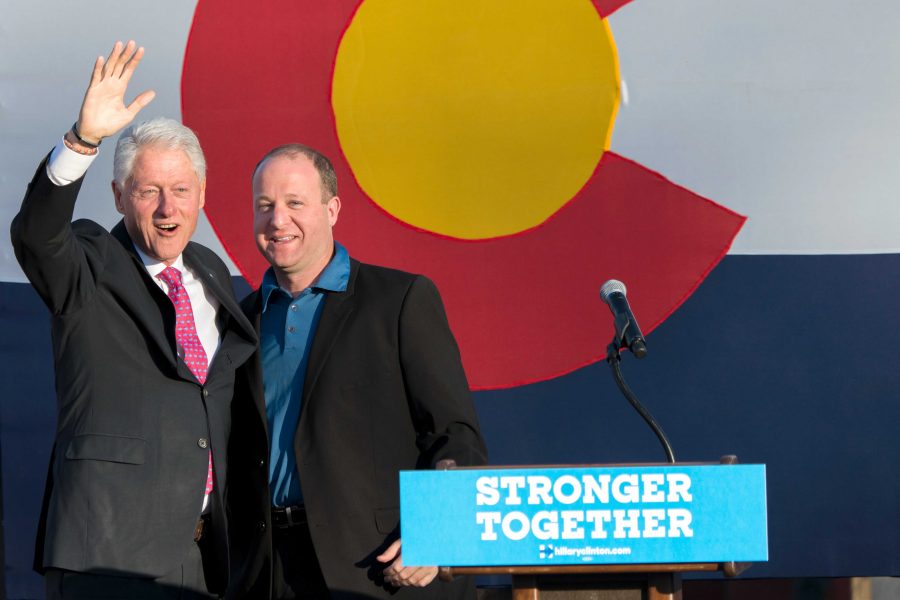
(155,267)
(333,278)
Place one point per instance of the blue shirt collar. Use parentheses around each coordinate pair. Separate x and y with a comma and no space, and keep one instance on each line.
(333,278)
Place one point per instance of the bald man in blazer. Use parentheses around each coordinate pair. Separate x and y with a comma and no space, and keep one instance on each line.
(358,377)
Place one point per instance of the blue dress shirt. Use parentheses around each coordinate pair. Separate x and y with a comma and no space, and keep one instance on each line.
(287,329)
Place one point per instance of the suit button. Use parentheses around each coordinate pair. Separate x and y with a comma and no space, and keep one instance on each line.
(203,443)
(205,392)
(262,526)
(262,462)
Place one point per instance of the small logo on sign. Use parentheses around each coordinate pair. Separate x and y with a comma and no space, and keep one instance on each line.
(546,551)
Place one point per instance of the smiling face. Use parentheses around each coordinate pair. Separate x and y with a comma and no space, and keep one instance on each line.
(161,202)
(292,221)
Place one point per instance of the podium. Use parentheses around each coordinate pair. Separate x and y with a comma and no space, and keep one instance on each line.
(660,491)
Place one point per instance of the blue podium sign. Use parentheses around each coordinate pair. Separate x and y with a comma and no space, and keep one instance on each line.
(578,515)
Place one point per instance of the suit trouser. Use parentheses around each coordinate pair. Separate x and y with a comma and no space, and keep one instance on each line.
(187,582)
(295,566)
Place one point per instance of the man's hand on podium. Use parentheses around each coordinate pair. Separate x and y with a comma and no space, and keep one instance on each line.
(399,576)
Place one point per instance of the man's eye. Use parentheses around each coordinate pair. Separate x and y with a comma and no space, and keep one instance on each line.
(148,193)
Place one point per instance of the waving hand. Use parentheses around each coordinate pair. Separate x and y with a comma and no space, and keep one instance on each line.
(103,111)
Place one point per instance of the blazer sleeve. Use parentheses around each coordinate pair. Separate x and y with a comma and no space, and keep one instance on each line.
(60,268)
(437,389)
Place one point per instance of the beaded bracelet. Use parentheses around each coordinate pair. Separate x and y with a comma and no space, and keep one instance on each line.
(80,150)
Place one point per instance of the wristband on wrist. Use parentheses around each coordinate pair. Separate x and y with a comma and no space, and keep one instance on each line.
(83,150)
(81,139)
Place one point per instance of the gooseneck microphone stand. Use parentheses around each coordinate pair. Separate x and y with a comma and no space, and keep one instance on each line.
(613,358)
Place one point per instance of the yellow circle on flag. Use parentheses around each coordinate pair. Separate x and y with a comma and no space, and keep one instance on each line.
(475,118)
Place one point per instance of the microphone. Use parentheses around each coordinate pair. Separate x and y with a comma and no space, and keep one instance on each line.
(628,334)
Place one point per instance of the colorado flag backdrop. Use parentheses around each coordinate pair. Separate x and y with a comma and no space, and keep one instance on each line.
(735,164)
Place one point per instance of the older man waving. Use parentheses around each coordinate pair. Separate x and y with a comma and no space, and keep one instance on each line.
(146,338)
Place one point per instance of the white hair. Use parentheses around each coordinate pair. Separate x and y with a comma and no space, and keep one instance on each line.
(160,131)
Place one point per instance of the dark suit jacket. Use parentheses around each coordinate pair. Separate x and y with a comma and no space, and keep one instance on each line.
(385,390)
(128,469)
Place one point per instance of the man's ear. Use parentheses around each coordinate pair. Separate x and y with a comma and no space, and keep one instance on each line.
(334,207)
(117,194)
(202,193)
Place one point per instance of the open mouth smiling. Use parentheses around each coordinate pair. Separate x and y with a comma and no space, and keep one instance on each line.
(282,239)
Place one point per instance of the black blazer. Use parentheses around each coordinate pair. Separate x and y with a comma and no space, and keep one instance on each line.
(129,463)
(385,391)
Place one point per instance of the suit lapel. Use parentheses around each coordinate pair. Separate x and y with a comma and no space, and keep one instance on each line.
(254,365)
(220,289)
(238,340)
(338,307)
(154,308)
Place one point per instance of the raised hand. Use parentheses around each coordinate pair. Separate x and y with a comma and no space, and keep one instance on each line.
(103,111)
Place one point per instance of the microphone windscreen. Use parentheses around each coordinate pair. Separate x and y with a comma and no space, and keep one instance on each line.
(610,287)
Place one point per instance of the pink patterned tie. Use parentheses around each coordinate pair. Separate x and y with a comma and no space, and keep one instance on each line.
(186,336)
